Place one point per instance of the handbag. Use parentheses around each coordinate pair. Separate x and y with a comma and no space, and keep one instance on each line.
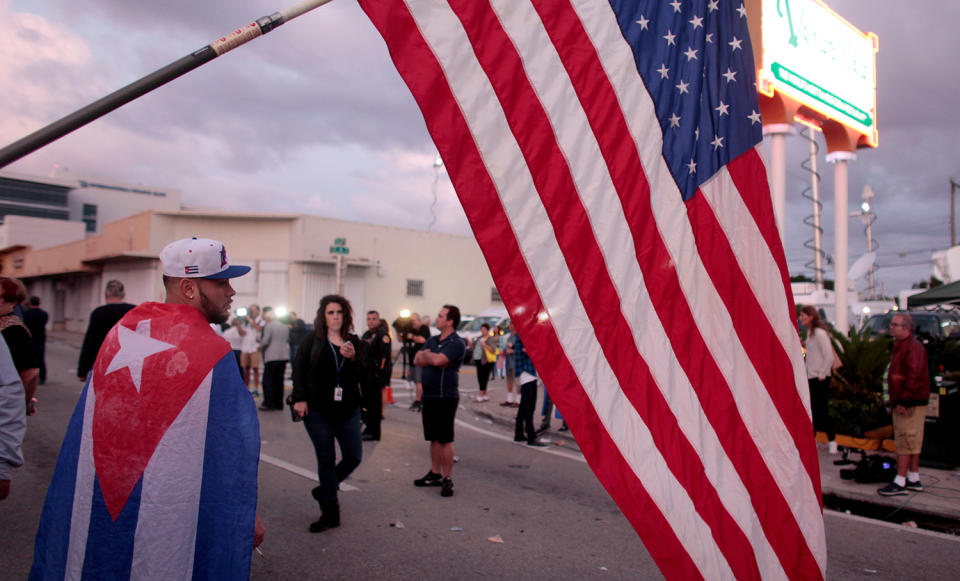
(490,355)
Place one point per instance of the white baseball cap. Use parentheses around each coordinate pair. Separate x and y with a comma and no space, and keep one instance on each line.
(199,258)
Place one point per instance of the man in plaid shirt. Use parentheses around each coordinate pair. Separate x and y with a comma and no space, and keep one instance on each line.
(527,374)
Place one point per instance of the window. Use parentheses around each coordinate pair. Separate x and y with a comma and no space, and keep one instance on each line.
(495,295)
(90,217)
(414,287)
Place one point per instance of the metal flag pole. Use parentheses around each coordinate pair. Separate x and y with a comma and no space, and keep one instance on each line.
(144,85)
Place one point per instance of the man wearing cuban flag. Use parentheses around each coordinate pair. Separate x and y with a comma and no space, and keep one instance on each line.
(157,476)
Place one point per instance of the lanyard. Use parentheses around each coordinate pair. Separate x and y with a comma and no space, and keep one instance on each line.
(337,362)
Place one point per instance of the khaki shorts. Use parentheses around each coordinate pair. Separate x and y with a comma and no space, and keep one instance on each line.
(251,360)
(908,430)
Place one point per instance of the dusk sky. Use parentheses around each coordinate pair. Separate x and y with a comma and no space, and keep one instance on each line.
(313,118)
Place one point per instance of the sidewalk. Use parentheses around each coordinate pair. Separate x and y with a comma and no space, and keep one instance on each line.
(940,499)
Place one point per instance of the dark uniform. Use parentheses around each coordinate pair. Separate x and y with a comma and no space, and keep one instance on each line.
(378,376)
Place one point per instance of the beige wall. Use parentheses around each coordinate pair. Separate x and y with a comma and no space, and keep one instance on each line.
(290,258)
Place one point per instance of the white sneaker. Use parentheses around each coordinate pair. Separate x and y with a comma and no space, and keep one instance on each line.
(832,447)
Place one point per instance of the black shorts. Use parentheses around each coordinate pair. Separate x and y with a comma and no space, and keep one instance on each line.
(438,415)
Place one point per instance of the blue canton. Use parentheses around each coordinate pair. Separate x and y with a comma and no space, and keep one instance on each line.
(697,64)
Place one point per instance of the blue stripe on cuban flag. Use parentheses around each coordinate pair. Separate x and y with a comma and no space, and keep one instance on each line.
(173,524)
(697,63)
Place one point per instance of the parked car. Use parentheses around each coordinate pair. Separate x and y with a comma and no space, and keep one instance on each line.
(931,325)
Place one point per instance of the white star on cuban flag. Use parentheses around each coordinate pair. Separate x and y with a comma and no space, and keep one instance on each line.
(135,346)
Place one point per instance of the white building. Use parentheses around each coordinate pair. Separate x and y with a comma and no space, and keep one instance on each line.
(388,269)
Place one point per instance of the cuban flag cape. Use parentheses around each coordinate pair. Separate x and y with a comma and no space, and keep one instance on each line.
(157,476)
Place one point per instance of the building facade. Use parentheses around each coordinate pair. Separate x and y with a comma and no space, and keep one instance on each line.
(295,260)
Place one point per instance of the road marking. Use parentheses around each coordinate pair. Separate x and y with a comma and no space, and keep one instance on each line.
(311,476)
(568,455)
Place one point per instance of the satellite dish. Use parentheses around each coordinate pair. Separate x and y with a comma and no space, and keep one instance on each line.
(861,266)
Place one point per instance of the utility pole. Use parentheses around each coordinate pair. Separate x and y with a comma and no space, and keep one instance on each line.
(953,205)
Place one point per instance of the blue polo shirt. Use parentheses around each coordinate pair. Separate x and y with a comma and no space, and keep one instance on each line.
(444,382)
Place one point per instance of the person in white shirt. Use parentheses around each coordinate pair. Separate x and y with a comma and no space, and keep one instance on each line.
(819,364)
(234,335)
(250,359)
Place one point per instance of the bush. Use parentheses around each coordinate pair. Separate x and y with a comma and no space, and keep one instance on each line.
(856,403)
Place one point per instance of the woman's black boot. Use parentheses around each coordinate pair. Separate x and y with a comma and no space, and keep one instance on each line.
(329,517)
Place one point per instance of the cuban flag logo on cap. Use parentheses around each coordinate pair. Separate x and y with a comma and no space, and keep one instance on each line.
(191,269)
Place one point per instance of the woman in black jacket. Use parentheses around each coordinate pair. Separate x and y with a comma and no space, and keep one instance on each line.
(327,374)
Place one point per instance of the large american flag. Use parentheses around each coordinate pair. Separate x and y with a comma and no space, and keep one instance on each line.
(606,156)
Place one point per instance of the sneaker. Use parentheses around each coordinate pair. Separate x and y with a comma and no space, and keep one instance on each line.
(832,447)
(519,439)
(431,479)
(537,444)
(506,404)
(564,428)
(416,406)
(446,487)
(914,485)
(893,489)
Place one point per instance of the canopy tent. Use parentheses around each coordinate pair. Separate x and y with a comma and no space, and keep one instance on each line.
(947,293)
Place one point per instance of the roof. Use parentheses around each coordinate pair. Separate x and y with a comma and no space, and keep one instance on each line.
(947,293)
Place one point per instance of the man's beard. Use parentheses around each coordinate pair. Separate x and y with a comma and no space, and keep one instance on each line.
(213,314)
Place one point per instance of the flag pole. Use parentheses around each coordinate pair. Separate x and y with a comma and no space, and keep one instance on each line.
(44,136)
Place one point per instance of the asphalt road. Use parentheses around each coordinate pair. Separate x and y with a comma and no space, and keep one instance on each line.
(553,518)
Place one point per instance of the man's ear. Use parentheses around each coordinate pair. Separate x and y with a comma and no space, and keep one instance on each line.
(188,288)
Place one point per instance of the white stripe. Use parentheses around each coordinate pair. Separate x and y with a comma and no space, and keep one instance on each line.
(753,402)
(165,539)
(504,161)
(613,233)
(83,493)
(758,266)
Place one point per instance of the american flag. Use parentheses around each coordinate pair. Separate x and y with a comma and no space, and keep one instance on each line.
(606,156)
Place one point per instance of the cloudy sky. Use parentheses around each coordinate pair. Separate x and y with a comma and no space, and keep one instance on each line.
(313,117)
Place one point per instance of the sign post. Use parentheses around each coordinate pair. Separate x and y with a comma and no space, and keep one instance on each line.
(340,251)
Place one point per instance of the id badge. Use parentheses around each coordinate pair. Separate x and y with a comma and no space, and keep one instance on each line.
(338,393)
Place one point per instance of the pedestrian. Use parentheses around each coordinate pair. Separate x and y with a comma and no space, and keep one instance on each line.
(327,376)
(416,338)
(527,375)
(908,380)
(13,419)
(157,475)
(250,358)
(513,397)
(234,336)
(388,375)
(35,319)
(377,360)
(819,361)
(102,319)
(276,352)
(485,351)
(15,333)
(440,361)
(298,330)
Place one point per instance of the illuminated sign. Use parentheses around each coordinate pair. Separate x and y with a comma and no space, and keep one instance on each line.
(816,57)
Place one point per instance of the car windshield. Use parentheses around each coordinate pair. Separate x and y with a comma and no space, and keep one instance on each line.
(928,325)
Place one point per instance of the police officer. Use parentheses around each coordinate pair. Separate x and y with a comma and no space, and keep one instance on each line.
(378,375)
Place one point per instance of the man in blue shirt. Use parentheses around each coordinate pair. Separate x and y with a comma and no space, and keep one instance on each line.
(440,360)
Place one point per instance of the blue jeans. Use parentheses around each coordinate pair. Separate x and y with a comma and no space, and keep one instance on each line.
(322,432)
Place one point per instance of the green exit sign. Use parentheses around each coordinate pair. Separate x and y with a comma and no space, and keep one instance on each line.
(336,249)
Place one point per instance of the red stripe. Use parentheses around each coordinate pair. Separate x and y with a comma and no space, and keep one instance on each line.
(613,134)
(586,263)
(491,226)
(750,176)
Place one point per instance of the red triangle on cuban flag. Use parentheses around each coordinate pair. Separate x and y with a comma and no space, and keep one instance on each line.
(149,366)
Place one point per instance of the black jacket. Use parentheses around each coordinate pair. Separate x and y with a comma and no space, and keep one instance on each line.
(315,377)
